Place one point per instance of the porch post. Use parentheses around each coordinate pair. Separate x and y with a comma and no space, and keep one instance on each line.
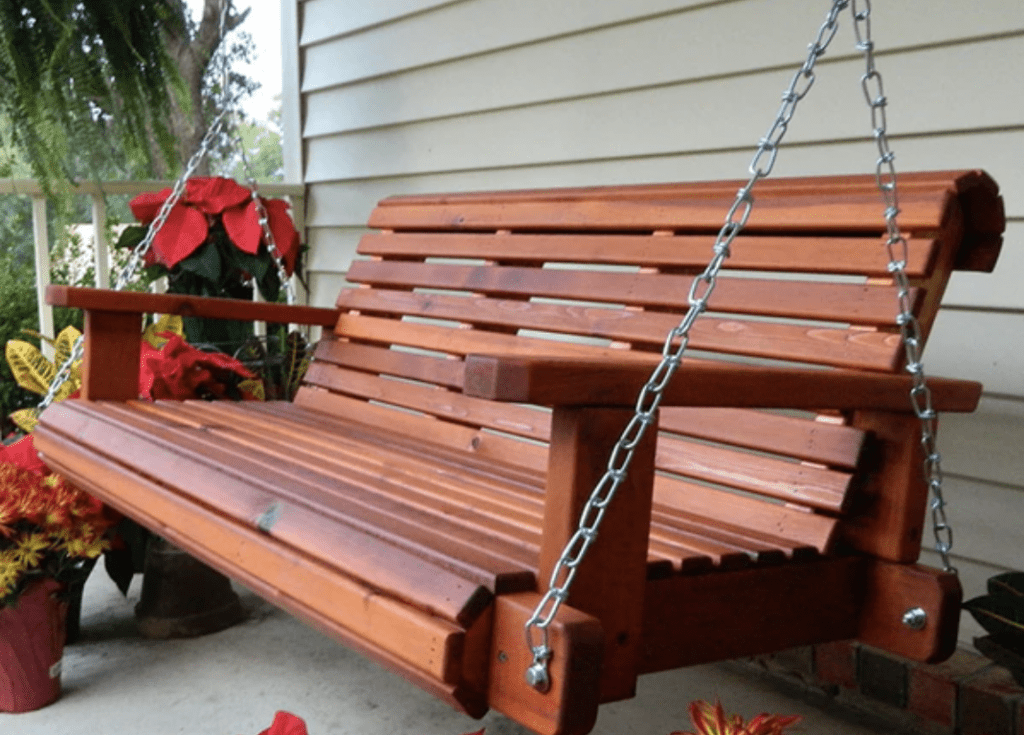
(41,237)
(101,252)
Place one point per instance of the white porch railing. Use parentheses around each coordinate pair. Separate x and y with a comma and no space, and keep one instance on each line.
(29,188)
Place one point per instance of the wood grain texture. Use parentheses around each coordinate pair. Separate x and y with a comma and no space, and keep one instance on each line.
(577,642)
(572,381)
(811,254)
(894,589)
(609,583)
(91,299)
(749,611)
(286,578)
(794,299)
(110,366)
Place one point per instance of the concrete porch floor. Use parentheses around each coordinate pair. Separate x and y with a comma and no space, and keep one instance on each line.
(231,683)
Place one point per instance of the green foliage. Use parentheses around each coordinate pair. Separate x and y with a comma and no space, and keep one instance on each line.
(17,312)
(1001,611)
(261,143)
(85,80)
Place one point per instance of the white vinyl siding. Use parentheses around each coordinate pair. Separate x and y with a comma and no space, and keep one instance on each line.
(407,96)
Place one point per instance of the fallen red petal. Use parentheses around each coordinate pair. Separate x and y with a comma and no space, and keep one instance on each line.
(285,723)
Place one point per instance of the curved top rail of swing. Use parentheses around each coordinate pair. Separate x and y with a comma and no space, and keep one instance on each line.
(845,202)
(94,299)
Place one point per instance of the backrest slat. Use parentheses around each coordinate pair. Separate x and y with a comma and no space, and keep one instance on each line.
(812,254)
(795,299)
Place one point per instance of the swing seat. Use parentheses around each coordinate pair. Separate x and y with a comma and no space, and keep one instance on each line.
(414,499)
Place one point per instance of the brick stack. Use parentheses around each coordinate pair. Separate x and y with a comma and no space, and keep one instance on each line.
(967,695)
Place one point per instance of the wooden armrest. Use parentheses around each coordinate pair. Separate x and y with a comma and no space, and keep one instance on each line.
(93,299)
(567,381)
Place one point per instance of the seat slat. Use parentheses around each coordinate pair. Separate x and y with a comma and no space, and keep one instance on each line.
(454,461)
(810,254)
(842,302)
(357,554)
(835,445)
(753,540)
(418,480)
(862,349)
(164,447)
(435,433)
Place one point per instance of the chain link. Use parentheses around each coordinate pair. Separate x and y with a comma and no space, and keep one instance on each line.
(896,248)
(537,627)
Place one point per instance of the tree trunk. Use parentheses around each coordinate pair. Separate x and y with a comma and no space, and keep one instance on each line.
(188,123)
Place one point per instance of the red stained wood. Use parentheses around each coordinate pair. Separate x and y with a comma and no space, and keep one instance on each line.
(409,491)
(796,299)
(710,617)
(609,583)
(573,381)
(577,642)
(135,302)
(110,368)
(894,589)
(812,254)
(820,442)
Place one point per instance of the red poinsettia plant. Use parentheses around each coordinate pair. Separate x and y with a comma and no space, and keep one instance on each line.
(213,244)
(48,528)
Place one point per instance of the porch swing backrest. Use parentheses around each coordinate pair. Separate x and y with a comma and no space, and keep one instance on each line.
(604,274)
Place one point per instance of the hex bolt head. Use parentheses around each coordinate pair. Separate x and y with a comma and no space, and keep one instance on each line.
(915,618)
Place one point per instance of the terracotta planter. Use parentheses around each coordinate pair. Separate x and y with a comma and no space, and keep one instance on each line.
(31,647)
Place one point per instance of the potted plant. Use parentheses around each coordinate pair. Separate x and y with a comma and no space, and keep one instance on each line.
(50,534)
(1001,614)
(180,596)
(213,243)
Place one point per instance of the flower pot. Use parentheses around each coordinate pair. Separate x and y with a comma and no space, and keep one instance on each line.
(182,597)
(31,647)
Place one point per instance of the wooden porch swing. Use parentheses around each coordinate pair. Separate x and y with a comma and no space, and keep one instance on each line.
(415,499)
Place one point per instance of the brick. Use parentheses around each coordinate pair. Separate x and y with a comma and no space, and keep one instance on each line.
(989,702)
(933,690)
(882,677)
(836,663)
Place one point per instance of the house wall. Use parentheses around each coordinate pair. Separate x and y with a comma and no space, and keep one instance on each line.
(405,96)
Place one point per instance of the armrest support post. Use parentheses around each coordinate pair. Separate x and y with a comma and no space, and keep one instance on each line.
(610,583)
(113,344)
(886,517)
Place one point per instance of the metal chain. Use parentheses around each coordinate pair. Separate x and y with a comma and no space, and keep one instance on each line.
(536,628)
(137,254)
(261,211)
(896,246)
(268,234)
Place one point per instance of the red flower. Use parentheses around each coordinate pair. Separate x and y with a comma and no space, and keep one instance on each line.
(22,453)
(178,370)
(188,222)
